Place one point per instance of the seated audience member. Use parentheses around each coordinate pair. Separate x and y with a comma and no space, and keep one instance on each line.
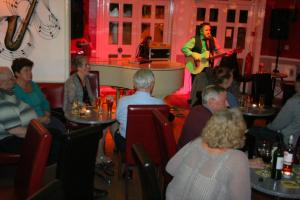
(143,81)
(15,116)
(286,123)
(77,87)
(209,167)
(29,92)
(224,78)
(213,99)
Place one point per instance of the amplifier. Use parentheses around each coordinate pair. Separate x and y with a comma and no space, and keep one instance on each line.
(159,53)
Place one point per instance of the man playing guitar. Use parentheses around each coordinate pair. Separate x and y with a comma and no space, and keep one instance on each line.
(200,52)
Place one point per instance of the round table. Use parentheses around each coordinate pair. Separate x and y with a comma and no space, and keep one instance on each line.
(253,113)
(275,187)
(92,118)
(258,112)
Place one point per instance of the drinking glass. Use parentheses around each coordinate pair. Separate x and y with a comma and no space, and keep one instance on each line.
(109,102)
(261,102)
(98,104)
(264,151)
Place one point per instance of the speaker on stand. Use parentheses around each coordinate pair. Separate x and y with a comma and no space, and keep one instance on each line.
(77,19)
(280,24)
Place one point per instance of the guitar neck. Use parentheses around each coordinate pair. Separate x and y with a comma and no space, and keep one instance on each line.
(218,56)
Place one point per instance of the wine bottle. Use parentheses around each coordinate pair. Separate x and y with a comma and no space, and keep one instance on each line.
(277,163)
(288,158)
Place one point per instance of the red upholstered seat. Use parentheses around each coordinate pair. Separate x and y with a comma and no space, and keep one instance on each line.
(32,163)
(165,135)
(54,92)
(141,130)
(94,81)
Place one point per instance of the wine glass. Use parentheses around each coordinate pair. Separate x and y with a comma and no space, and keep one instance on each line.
(264,151)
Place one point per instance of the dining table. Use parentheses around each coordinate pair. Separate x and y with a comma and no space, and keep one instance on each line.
(253,112)
(91,117)
(285,188)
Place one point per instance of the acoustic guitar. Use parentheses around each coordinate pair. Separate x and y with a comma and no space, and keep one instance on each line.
(197,66)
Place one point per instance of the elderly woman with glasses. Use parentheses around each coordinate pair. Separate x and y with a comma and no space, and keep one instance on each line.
(210,167)
(77,87)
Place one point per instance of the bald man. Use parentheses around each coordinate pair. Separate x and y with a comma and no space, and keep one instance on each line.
(15,115)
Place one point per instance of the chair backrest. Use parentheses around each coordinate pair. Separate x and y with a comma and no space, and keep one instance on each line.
(52,191)
(94,82)
(165,135)
(141,130)
(262,85)
(147,173)
(76,163)
(54,92)
(34,156)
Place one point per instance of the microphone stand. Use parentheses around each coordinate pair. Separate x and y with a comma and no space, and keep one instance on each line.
(278,51)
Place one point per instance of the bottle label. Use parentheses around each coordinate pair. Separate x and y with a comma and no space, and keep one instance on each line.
(279,163)
(288,158)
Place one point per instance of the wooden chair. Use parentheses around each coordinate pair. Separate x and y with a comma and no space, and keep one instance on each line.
(31,166)
(147,173)
(76,164)
(141,130)
(52,191)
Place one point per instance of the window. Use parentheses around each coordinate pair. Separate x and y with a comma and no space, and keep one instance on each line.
(114,10)
(201,14)
(127,9)
(146,11)
(159,12)
(127,30)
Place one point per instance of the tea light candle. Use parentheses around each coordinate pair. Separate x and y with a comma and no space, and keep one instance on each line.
(254,105)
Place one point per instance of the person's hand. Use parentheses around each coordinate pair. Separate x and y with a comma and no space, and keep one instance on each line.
(45,119)
(196,56)
(205,55)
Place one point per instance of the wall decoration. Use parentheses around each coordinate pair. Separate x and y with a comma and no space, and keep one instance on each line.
(20,23)
(38,30)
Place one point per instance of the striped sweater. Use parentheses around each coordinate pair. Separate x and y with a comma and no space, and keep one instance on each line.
(13,113)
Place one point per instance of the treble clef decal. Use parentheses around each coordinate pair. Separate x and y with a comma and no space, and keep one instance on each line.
(9,42)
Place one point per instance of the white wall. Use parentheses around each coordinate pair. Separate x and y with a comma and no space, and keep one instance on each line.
(50,55)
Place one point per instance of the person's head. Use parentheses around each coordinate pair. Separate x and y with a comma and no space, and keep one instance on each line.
(143,80)
(22,69)
(225,129)
(297,84)
(80,64)
(214,97)
(205,30)
(7,79)
(223,77)
(147,40)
